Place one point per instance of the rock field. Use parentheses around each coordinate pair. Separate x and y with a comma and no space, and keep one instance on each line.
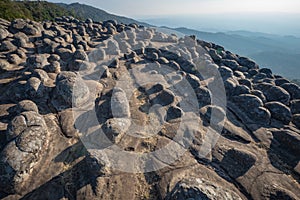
(101,110)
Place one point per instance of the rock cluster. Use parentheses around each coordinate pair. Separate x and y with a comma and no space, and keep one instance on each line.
(147,90)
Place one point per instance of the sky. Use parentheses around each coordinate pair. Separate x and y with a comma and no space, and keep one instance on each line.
(270,16)
(140,8)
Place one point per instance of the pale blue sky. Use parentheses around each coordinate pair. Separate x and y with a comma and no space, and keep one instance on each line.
(140,8)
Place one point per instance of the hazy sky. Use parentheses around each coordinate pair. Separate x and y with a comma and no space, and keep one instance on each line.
(140,8)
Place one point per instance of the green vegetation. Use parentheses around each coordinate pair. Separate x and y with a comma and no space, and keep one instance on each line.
(34,10)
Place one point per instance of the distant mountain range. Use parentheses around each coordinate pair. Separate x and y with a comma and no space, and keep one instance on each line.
(280,53)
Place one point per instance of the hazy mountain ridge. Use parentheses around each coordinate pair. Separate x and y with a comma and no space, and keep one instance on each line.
(280,53)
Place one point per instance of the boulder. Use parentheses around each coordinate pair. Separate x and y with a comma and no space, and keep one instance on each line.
(277,93)
(292,89)
(119,104)
(295,106)
(279,111)
(70,91)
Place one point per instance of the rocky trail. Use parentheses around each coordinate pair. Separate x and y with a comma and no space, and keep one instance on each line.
(101,110)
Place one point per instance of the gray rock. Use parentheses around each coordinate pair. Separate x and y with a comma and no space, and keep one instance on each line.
(259,94)
(203,95)
(280,81)
(295,106)
(80,55)
(193,80)
(247,101)
(225,72)
(173,113)
(241,89)
(279,111)
(250,64)
(199,189)
(67,122)
(277,93)
(245,82)
(232,64)
(18,24)
(34,88)
(215,56)
(115,128)
(36,61)
(70,91)
(14,59)
(26,105)
(292,89)
(31,30)
(7,46)
(296,120)
(28,134)
(237,162)
(119,104)
(64,53)
(3,33)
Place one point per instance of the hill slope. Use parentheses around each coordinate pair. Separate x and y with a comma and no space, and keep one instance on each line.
(34,10)
(85,11)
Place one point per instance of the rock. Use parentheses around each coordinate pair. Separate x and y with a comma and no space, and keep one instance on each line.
(213,114)
(241,89)
(67,122)
(80,55)
(115,128)
(259,94)
(266,71)
(152,56)
(31,30)
(292,89)
(7,46)
(250,64)
(248,149)
(119,104)
(3,34)
(295,106)
(281,81)
(279,111)
(239,74)
(26,105)
(237,162)
(203,95)
(225,72)
(288,140)
(232,64)
(53,58)
(164,98)
(36,61)
(199,189)
(34,88)
(14,59)
(193,81)
(277,93)
(70,91)
(296,120)
(64,53)
(28,132)
(215,56)
(252,107)
(245,82)
(173,113)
